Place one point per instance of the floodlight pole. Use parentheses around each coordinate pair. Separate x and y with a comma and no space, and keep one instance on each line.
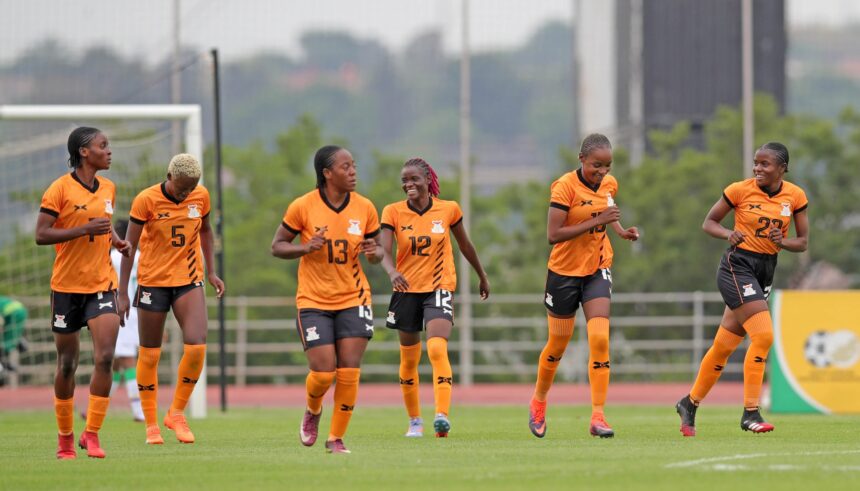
(465,317)
(747,82)
(219,231)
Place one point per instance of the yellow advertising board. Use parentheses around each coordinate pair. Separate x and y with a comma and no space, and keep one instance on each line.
(817,348)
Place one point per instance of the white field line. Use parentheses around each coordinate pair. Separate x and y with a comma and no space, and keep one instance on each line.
(727,458)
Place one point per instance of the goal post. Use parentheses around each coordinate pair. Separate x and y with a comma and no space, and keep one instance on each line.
(190,114)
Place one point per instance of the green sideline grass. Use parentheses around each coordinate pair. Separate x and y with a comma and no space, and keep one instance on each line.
(489,448)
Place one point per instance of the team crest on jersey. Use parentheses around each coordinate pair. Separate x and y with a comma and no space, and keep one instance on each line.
(312,334)
(146,297)
(354,227)
(786,210)
(549,300)
(749,290)
(391,319)
(108,207)
(193,211)
(60,321)
(437,227)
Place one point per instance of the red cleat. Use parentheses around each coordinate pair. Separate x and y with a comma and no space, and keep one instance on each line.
(66,447)
(687,411)
(90,442)
(752,421)
(537,418)
(599,427)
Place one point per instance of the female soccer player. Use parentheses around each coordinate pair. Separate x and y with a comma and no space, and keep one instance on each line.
(170,223)
(424,281)
(581,205)
(75,216)
(335,319)
(764,206)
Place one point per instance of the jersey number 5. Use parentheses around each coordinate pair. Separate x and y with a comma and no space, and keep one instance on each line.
(178,238)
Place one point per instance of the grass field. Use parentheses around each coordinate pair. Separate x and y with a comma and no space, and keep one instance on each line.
(489,448)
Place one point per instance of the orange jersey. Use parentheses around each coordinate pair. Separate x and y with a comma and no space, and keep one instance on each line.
(585,254)
(331,278)
(82,264)
(170,252)
(757,211)
(424,253)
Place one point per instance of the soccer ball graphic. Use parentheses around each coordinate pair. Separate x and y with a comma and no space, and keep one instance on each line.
(839,349)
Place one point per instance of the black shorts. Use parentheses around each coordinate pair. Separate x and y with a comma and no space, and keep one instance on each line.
(320,327)
(161,298)
(71,311)
(410,312)
(744,276)
(564,294)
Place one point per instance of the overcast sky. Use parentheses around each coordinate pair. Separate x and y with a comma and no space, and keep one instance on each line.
(239,27)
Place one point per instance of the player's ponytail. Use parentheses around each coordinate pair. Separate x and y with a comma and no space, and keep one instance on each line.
(432,178)
(323,159)
(78,139)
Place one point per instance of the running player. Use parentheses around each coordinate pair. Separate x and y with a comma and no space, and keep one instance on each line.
(335,320)
(75,216)
(170,223)
(14,316)
(764,206)
(424,281)
(581,205)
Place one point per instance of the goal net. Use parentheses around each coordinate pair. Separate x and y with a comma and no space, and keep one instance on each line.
(32,155)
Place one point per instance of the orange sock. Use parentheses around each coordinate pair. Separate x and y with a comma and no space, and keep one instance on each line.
(760,329)
(190,367)
(317,384)
(147,382)
(725,343)
(598,362)
(410,357)
(345,395)
(560,331)
(443,377)
(96,411)
(65,411)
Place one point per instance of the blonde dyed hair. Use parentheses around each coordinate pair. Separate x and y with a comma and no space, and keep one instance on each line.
(184,165)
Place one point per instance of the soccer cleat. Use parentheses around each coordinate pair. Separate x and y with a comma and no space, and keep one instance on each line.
(309,429)
(752,421)
(153,435)
(687,411)
(66,447)
(179,425)
(537,418)
(416,428)
(336,446)
(599,427)
(90,442)
(441,425)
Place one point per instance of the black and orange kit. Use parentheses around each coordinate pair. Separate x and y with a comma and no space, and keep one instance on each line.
(333,295)
(746,270)
(425,257)
(171,259)
(578,269)
(83,280)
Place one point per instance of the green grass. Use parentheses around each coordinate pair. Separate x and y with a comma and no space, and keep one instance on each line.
(489,448)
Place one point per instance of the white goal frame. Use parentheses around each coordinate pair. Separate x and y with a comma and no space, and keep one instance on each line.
(189,113)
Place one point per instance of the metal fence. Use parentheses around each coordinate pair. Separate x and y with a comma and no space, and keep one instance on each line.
(654,337)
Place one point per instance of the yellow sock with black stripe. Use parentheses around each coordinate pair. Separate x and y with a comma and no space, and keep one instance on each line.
(410,357)
(760,329)
(443,377)
(725,343)
(560,332)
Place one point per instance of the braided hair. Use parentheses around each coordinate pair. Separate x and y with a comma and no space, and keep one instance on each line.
(433,179)
(779,150)
(323,159)
(592,142)
(78,139)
